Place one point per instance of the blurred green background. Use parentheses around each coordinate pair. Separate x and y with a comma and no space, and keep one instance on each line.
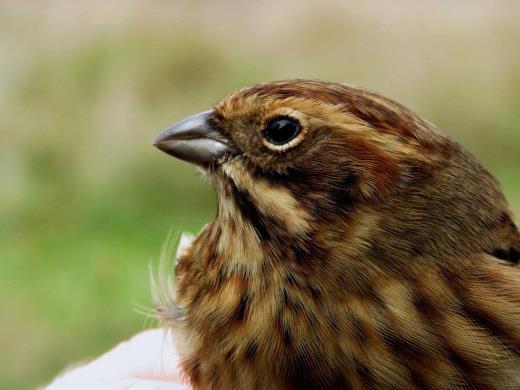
(86,202)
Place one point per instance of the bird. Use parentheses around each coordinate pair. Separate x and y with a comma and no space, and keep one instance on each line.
(355,245)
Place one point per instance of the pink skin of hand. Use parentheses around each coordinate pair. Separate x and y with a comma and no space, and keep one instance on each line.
(148,360)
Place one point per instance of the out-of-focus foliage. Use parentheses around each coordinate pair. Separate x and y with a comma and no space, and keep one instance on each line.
(85,201)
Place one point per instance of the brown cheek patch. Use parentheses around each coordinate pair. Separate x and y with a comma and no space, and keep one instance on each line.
(378,171)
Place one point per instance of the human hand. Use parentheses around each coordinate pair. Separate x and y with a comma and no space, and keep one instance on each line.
(146,361)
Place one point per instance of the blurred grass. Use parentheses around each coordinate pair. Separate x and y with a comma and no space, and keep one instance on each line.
(86,202)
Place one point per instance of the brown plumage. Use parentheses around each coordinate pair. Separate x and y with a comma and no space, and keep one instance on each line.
(355,246)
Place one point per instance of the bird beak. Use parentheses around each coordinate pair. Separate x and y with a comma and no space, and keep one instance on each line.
(195,140)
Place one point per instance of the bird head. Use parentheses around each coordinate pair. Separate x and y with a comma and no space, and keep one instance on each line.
(302,160)
(306,131)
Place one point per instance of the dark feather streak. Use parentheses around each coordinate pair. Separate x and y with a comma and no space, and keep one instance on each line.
(250,212)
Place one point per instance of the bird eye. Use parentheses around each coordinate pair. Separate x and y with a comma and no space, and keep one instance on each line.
(281,130)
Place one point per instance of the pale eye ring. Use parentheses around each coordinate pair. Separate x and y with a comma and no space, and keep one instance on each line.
(281,130)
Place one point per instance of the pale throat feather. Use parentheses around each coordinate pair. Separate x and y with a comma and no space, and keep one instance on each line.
(275,202)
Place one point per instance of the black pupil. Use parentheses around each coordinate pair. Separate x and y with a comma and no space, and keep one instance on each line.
(281,130)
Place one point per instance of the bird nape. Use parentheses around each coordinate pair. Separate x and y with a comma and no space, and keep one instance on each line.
(355,246)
